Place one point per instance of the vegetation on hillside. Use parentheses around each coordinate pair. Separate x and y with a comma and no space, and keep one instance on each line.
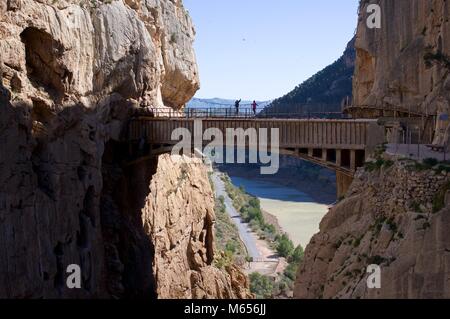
(326,89)
(250,209)
(230,247)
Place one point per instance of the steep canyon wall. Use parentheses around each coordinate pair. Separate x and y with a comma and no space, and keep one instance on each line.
(396,213)
(72,72)
(405,64)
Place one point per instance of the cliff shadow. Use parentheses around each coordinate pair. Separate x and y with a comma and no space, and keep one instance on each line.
(129,250)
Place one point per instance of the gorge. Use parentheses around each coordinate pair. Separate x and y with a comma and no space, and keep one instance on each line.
(395,214)
(72,74)
(73,190)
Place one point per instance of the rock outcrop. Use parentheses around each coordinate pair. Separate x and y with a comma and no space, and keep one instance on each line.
(396,213)
(72,72)
(396,217)
(179,218)
(405,64)
(60,53)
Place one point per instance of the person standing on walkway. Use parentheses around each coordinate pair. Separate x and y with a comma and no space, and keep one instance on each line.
(236,105)
(254,105)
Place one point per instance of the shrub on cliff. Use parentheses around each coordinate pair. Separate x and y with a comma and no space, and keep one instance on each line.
(297,255)
(261,286)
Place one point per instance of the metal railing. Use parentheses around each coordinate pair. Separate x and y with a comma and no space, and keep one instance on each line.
(242,113)
(388,109)
(412,144)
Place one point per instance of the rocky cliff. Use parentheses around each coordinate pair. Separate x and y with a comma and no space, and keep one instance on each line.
(397,212)
(179,218)
(71,73)
(396,217)
(405,64)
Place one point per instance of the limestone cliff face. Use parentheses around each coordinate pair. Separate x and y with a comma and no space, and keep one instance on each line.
(398,216)
(179,217)
(71,74)
(395,217)
(61,53)
(405,64)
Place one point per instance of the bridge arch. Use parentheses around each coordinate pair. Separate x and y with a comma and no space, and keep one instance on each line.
(340,145)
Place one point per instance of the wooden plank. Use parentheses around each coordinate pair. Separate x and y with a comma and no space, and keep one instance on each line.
(324,133)
(315,140)
(331,133)
(288,134)
(285,134)
(306,136)
(364,138)
(302,132)
(353,133)
(338,133)
(318,134)
(347,134)
(337,138)
(360,133)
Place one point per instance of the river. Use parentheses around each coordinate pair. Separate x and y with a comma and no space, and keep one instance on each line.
(297,213)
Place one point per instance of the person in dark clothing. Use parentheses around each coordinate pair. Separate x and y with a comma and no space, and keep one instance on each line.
(254,105)
(236,105)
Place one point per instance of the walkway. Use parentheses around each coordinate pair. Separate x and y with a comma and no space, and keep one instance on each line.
(416,152)
(341,145)
(244,230)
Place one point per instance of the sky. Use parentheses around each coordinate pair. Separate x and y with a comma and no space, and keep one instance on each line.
(262,49)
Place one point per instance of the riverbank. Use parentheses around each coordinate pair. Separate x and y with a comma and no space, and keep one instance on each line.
(317,182)
(297,213)
(279,246)
(236,239)
(243,229)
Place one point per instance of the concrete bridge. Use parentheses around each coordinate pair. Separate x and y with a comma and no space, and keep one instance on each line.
(341,145)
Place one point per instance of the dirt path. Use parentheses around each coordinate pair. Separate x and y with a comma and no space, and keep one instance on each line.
(265,260)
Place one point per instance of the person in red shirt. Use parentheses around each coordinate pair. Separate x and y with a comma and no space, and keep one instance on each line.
(254,105)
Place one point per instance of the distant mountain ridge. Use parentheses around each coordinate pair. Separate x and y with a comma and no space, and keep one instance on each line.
(328,88)
(323,92)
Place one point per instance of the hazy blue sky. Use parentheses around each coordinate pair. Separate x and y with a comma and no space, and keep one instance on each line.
(262,49)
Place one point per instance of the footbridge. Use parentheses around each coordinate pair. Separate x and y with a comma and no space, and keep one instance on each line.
(339,144)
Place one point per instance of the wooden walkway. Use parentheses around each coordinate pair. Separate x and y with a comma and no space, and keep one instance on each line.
(338,144)
(343,134)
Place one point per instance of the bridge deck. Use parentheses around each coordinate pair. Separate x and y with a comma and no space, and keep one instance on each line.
(294,133)
(341,145)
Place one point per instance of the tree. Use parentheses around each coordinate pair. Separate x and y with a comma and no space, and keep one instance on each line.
(261,286)
(285,246)
(231,246)
(254,202)
(298,254)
